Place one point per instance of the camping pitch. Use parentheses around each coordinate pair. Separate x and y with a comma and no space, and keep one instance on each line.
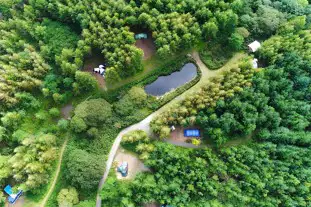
(12,197)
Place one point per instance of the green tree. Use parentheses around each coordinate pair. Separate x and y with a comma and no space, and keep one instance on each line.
(67,197)
(83,170)
(91,113)
(33,160)
(85,81)
(236,41)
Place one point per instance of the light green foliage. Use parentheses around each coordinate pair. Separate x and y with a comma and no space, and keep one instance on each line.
(26,72)
(86,203)
(63,124)
(290,39)
(219,88)
(116,193)
(196,142)
(11,120)
(136,98)
(67,197)
(3,135)
(54,112)
(136,136)
(236,41)
(140,142)
(41,115)
(5,169)
(55,36)
(210,30)
(32,160)
(83,170)
(92,132)
(91,113)
(85,81)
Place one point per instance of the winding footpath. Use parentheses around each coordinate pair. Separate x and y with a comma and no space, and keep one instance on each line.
(60,159)
(144,124)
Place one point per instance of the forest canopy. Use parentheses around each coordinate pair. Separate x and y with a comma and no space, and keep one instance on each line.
(58,118)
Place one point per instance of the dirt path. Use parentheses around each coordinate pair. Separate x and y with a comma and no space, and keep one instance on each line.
(47,196)
(144,124)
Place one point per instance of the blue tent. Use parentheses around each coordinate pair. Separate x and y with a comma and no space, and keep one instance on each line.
(12,197)
(192,133)
(123,169)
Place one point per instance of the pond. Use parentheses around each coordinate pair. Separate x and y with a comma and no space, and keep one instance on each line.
(168,83)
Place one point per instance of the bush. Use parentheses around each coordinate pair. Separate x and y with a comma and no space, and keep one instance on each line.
(12,119)
(67,197)
(85,81)
(92,132)
(41,115)
(54,112)
(215,56)
(63,124)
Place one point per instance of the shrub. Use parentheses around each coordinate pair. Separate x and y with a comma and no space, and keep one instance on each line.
(92,132)
(63,124)
(67,197)
(41,115)
(11,119)
(85,81)
(54,112)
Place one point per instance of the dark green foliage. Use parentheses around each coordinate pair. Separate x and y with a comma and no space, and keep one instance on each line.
(215,56)
(184,175)
(85,82)
(279,96)
(55,37)
(116,193)
(286,136)
(6,6)
(262,18)
(236,41)
(83,170)
(91,113)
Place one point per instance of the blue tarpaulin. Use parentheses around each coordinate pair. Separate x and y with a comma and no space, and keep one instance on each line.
(191,133)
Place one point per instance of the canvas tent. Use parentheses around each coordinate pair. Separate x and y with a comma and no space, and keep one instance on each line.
(12,197)
(254,46)
(255,63)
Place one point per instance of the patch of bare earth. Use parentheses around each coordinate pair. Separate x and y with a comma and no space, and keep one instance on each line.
(94,62)
(134,164)
(66,111)
(19,203)
(151,205)
(177,138)
(146,45)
